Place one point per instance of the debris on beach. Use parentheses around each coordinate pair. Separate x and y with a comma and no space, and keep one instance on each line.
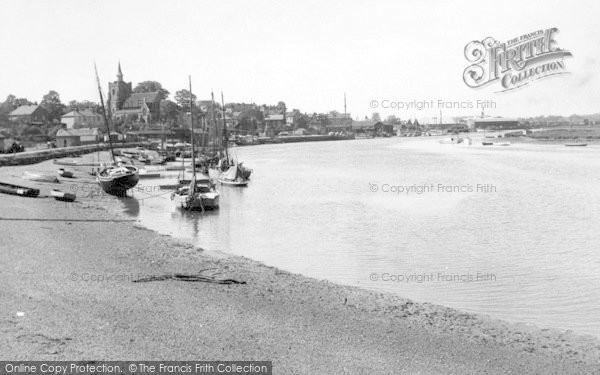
(188,278)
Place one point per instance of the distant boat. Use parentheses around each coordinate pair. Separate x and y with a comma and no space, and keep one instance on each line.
(501,143)
(451,140)
(576,144)
(233,176)
(487,143)
(18,190)
(144,173)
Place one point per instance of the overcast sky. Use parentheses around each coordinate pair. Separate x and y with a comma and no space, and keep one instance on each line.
(306,53)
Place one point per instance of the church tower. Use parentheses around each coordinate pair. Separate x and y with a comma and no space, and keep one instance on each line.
(118,92)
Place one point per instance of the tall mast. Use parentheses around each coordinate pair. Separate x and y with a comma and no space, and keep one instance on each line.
(345,115)
(214,120)
(225,135)
(192,121)
(112,154)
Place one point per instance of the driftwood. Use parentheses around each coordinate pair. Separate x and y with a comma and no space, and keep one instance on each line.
(188,278)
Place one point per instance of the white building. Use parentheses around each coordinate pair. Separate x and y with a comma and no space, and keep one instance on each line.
(81,119)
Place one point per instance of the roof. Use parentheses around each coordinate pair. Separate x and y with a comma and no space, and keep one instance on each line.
(77,132)
(275,118)
(72,114)
(137,98)
(88,112)
(24,110)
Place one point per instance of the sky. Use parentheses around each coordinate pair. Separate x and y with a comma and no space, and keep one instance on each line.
(305,53)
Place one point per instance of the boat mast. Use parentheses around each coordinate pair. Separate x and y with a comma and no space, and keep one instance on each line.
(112,154)
(214,119)
(225,136)
(192,123)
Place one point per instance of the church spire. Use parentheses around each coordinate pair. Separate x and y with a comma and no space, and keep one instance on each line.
(120,73)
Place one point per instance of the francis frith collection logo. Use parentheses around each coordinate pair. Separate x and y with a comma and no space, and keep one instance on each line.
(514,63)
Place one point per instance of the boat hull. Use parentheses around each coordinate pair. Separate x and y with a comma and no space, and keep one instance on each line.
(233,182)
(206,201)
(18,190)
(118,185)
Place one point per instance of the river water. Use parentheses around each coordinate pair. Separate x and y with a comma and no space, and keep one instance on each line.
(512,232)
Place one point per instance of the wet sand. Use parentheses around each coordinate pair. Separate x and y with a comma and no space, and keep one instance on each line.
(68,294)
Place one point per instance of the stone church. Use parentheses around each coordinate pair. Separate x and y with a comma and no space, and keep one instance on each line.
(124,104)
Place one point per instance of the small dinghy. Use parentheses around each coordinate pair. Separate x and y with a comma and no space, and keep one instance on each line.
(39,177)
(63,173)
(576,144)
(144,173)
(62,196)
(18,190)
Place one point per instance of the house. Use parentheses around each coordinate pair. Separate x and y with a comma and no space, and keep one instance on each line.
(79,119)
(29,114)
(338,121)
(77,137)
(274,124)
(496,123)
(381,128)
(365,126)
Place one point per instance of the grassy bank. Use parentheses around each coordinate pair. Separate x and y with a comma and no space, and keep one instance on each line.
(567,134)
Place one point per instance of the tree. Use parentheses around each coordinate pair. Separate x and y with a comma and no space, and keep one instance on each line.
(375,117)
(182,98)
(391,119)
(152,86)
(281,108)
(169,111)
(51,103)
(92,106)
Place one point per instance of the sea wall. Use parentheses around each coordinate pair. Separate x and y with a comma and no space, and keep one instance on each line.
(36,156)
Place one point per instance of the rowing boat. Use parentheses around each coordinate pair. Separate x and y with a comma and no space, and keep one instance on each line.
(18,190)
(62,196)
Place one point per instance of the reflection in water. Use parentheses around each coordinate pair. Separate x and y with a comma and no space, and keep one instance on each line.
(192,218)
(311,208)
(132,206)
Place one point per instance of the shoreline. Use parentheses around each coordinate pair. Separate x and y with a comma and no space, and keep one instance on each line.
(301,324)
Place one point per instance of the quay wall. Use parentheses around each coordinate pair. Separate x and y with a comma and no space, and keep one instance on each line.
(36,156)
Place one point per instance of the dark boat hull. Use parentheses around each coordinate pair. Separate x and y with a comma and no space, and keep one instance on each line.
(118,185)
(18,190)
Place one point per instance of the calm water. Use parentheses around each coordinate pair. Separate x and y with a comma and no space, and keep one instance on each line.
(311,208)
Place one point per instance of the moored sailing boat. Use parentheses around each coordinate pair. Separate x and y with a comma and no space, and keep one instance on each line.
(114,179)
(233,176)
(199,192)
(227,164)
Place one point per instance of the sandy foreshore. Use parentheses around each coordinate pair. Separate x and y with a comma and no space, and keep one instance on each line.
(68,294)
